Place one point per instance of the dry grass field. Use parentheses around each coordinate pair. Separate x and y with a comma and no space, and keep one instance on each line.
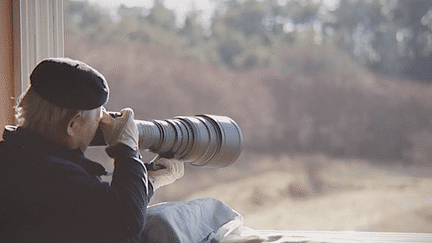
(317,193)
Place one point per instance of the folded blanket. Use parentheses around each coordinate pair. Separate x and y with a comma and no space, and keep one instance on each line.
(205,220)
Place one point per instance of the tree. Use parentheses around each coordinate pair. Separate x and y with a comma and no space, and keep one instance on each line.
(387,36)
(162,17)
(86,20)
(414,37)
(192,32)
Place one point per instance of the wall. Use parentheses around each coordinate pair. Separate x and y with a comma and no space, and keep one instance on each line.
(6,64)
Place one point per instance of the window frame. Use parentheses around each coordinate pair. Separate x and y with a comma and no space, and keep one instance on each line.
(39,34)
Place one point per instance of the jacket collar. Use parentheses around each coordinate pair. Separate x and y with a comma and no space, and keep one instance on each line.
(23,137)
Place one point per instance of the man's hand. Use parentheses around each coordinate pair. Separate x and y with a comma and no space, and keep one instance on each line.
(173,170)
(121,129)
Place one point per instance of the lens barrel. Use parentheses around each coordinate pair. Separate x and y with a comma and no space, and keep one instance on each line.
(201,140)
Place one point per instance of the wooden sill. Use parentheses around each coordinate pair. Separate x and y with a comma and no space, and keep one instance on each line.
(282,236)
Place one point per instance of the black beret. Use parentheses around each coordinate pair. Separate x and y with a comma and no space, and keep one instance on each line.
(69,83)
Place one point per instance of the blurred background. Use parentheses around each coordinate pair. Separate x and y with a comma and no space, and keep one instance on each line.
(333,98)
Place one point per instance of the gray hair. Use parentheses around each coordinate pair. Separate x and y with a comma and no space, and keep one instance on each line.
(41,116)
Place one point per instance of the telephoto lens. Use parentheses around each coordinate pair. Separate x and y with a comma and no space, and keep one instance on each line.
(202,140)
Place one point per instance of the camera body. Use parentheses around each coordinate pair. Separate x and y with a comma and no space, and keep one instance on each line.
(201,140)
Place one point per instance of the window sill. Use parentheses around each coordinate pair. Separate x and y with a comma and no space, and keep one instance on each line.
(282,236)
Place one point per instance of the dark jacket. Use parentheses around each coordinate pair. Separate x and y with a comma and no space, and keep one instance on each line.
(51,194)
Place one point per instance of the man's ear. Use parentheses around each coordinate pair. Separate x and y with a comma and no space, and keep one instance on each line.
(73,124)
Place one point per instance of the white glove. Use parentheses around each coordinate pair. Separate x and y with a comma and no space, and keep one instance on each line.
(121,129)
(173,170)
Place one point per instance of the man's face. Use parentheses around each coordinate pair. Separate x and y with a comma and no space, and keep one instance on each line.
(88,128)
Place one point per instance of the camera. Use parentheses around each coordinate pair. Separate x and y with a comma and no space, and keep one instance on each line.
(202,140)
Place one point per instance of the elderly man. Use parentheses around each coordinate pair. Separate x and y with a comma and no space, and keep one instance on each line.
(49,191)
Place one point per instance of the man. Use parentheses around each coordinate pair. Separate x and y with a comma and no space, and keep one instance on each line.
(49,191)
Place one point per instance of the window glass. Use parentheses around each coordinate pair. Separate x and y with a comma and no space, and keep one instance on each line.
(332,97)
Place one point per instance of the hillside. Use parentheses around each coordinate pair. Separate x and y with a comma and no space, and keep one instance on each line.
(317,101)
